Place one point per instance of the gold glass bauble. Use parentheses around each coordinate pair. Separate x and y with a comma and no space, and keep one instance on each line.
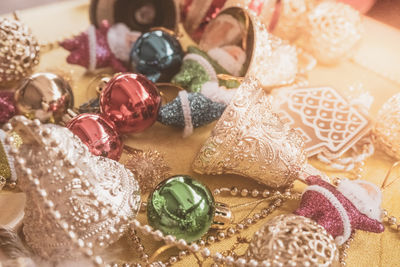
(45,96)
(292,240)
(19,51)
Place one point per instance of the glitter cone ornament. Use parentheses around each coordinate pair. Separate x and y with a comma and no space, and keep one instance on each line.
(103,47)
(19,51)
(352,205)
(190,110)
(251,141)
(291,240)
(82,196)
(199,67)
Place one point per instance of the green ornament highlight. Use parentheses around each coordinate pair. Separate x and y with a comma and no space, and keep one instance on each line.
(182,207)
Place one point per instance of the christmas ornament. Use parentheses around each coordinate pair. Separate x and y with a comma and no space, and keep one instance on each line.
(387,127)
(331,32)
(190,110)
(292,240)
(103,47)
(131,102)
(148,167)
(157,54)
(7,106)
(268,58)
(326,121)
(19,51)
(138,15)
(83,199)
(45,96)
(183,207)
(352,205)
(196,14)
(199,67)
(251,141)
(98,134)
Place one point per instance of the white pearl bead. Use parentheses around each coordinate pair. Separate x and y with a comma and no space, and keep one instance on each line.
(169,239)
(205,253)
(194,247)
(182,244)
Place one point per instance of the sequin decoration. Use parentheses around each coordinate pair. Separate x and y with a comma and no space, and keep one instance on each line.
(202,109)
(91,49)
(330,208)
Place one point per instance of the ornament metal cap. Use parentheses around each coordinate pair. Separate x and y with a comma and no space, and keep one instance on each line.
(223,216)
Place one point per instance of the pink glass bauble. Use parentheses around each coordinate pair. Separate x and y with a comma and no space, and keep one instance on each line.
(131,101)
(98,133)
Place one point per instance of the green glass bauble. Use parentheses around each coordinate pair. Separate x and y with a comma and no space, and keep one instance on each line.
(182,207)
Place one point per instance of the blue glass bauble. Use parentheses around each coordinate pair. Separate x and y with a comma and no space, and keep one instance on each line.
(158,55)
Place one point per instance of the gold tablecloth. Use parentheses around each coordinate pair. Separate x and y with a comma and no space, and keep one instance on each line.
(379,51)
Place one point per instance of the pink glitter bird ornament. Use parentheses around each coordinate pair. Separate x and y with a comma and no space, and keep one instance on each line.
(102,47)
(340,210)
(7,106)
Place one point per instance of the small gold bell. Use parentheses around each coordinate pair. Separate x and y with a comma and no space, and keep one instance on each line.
(45,96)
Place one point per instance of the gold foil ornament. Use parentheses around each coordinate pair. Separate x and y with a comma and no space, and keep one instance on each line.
(292,240)
(251,141)
(273,61)
(387,127)
(45,96)
(148,166)
(73,194)
(19,51)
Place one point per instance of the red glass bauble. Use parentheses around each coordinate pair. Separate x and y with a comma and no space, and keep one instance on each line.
(131,101)
(98,133)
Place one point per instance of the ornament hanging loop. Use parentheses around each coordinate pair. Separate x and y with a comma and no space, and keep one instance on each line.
(386,183)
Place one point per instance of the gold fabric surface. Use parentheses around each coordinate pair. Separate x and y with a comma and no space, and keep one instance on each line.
(379,49)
